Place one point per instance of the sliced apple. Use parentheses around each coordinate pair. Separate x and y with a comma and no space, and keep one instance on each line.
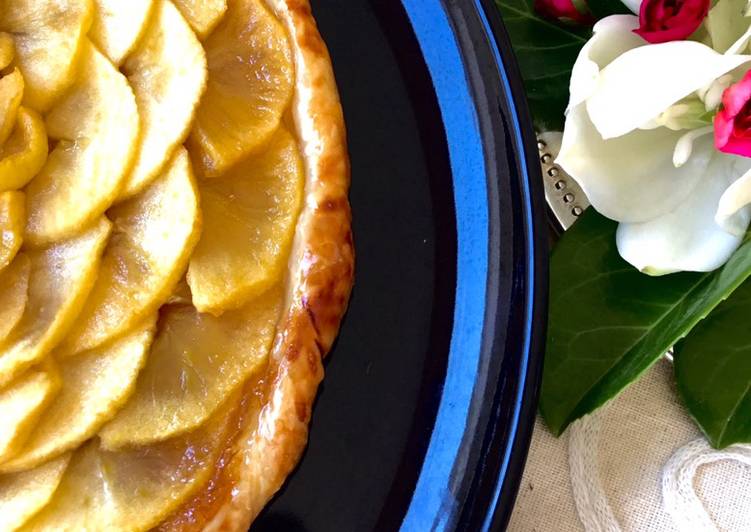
(197,360)
(249,219)
(21,404)
(202,15)
(11,94)
(96,126)
(12,221)
(7,50)
(60,280)
(23,494)
(134,489)
(168,75)
(14,284)
(155,233)
(118,26)
(95,386)
(251,76)
(25,152)
(48,38)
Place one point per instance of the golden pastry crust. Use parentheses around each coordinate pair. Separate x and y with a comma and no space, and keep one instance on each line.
(268,445)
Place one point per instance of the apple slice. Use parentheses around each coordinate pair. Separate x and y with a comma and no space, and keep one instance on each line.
(168,74)
(22,495)
(25,152)
(155,233)
(96,126)
(197,360)
(118,26)
(21,404)
(249,219)
(202,15)
(251,74)
(12,220)
(95,386)
(48,38)
(60,280)
(11,93)
(134,489)
(14,284)
(7,50)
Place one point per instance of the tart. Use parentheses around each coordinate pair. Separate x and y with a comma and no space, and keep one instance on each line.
(176,257)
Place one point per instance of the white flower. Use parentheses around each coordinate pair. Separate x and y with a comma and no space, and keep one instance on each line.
(638,140)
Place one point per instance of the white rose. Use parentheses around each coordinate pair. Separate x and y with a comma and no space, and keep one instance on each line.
(638,139)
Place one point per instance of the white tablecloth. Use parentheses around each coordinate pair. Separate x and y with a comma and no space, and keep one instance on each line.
(638,434)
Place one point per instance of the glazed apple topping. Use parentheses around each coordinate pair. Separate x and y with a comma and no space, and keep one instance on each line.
(150,187)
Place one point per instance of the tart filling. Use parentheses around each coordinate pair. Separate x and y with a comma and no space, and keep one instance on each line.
(174,267)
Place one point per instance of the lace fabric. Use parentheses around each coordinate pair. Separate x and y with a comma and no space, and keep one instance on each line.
(637,465)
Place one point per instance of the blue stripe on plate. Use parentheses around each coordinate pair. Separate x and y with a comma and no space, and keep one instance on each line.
(433,502)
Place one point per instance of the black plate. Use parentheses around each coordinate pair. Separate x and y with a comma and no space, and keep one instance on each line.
(424,417)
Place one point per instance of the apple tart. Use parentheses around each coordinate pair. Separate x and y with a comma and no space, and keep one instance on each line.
(176,257)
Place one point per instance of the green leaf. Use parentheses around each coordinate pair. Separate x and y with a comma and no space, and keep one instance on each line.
(713,370)
(603,8)
(546,52)
(608,323)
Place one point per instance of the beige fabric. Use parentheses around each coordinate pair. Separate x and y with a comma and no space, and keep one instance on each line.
(638,434)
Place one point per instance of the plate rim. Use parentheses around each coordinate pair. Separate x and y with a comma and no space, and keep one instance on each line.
(471,481)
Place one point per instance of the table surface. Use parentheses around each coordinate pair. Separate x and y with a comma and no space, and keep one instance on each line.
(638,433)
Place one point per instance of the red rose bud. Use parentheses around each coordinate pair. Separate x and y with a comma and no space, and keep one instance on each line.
(564,11)
(670,20)
(732,124)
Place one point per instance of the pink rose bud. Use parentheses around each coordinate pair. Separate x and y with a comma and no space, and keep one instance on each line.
(732,124)
(563,10)
(670,20)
